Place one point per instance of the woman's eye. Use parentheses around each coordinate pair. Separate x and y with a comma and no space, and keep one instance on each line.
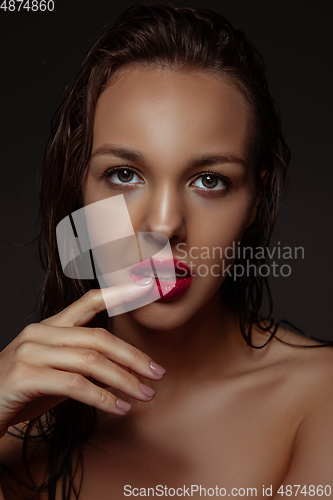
(121,175)
(212,182)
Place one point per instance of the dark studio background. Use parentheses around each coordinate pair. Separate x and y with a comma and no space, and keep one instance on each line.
(41,52)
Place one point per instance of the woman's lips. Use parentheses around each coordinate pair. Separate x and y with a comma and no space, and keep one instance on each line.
(164,290)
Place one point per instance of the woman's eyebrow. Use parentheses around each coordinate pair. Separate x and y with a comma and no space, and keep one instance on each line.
(127,154)
(203,161)
(134,155)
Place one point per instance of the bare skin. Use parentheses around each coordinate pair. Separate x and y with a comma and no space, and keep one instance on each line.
(224,414)
(236,427)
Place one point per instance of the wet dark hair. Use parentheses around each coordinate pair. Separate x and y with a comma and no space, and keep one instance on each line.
(181,39)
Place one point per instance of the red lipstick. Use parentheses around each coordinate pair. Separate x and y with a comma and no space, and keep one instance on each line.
(164,290)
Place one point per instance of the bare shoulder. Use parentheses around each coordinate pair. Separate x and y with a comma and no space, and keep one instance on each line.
(308,364)
(12,462)
(11,445)
(308,393)
(299,348)
(11,459)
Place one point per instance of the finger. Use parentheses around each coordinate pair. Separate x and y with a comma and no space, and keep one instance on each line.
(94,301)
(46,382)
(92,339)
(90,363)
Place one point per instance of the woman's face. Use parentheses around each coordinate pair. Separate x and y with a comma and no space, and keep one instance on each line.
(179,125)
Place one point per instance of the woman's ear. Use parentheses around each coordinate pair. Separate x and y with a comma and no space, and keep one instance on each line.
(257,198)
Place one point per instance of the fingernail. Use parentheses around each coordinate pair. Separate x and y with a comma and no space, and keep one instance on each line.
(122,405)
(147,391)
(157,369)
(144,282)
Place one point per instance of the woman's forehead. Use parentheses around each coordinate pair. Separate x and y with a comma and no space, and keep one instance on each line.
(158,109)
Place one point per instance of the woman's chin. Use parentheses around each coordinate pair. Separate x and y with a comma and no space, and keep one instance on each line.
(172,312)
(163,315)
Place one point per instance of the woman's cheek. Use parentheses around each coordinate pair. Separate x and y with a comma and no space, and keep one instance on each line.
(226,222)
(215,237)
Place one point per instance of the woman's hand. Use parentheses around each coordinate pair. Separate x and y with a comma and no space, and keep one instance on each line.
(52,361)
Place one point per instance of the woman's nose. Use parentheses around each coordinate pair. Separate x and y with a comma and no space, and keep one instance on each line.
(165,214)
